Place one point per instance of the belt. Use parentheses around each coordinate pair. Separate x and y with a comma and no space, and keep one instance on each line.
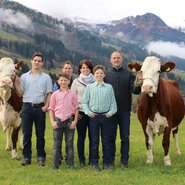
(35,105)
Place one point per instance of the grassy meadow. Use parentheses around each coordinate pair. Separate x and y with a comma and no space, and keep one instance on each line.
(12,173)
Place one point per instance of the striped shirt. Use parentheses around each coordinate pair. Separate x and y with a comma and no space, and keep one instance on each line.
(99,98)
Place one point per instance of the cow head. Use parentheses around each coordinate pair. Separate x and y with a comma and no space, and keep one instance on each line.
(7,71)
(149,73)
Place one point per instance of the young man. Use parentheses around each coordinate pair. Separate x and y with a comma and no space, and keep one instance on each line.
(63,111)
(99,104)
(122,81)
(36,88)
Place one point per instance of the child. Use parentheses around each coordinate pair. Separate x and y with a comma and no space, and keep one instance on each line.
(99,104)
(63,112)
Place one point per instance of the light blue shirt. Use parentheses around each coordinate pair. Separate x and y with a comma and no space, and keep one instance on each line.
(35,87)
(99,98)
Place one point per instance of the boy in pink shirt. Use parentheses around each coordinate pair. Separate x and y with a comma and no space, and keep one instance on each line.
(63,112)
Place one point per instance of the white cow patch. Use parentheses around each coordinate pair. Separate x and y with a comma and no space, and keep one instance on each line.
(157,126)
(154,127)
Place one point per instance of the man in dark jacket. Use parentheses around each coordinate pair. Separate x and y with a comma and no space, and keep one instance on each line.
(122,81)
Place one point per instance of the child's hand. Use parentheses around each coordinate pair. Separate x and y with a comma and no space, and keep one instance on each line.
(73,124)
(107,115)
(93,115)
(54,125)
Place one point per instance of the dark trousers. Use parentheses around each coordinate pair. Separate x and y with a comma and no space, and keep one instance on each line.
(58,137)
(121,119)
(82,126)
(29,116)
(100,125)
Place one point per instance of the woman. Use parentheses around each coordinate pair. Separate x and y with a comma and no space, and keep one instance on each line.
(86,77)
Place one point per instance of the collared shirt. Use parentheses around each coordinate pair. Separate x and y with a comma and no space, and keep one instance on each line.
(99,98)
(35,87)
(63,104)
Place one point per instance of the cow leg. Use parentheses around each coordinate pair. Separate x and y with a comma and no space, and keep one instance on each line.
(8,139)
(166,145)
(15,133)
(175,136)
(150,157)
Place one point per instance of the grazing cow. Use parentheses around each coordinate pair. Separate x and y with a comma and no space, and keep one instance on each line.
(161,106)
(10,103)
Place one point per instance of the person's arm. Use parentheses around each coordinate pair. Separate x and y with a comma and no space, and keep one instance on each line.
(134,87)
(17,87)
(72,126)
(52,119)
(46,103)
(113,105)
(85,102)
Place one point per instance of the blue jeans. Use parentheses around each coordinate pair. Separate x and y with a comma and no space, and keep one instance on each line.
(82,126)
(96,125)
(58,137)
(29,116)
(121,119)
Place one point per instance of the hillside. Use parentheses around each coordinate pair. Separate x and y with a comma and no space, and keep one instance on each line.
(24,31)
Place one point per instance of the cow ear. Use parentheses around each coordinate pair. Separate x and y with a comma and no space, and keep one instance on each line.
(167,67)
(19,65)
(134,67)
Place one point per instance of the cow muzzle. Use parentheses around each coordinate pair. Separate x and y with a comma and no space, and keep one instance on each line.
(7,82)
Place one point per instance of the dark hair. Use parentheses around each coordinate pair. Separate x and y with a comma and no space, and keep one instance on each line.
(99,67)
(66,62)
(87,63)
(37,54)
(65,75)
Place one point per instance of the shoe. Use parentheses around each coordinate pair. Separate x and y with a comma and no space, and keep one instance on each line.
(96,167)
(55,167)
(106,167)
(59,162)
(41,162)
(125,165)
(82,164)
(25,162)
(71,167)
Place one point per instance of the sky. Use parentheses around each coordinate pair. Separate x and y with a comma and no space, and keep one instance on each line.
(170,11)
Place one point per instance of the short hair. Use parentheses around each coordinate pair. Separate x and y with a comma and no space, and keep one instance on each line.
(119,53)
(65,75)
(87,62)
(67,62)
(99,67)
(37,54)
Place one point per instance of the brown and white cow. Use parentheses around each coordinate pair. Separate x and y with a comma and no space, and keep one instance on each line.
(161,106)
(10,104)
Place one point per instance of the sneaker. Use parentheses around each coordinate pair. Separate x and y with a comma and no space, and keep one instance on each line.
(25,162)
(41,162)
(96,167)
(82,164)
(55,167)
(71,167)
(106,167)
(124,165)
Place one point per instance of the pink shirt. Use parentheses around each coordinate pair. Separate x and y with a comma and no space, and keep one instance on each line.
(64,104)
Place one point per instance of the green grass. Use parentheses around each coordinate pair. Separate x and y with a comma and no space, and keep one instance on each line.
(138,173)
(8,36)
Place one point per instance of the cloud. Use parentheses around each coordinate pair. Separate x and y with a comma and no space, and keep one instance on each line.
(17,19)
(167,49)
